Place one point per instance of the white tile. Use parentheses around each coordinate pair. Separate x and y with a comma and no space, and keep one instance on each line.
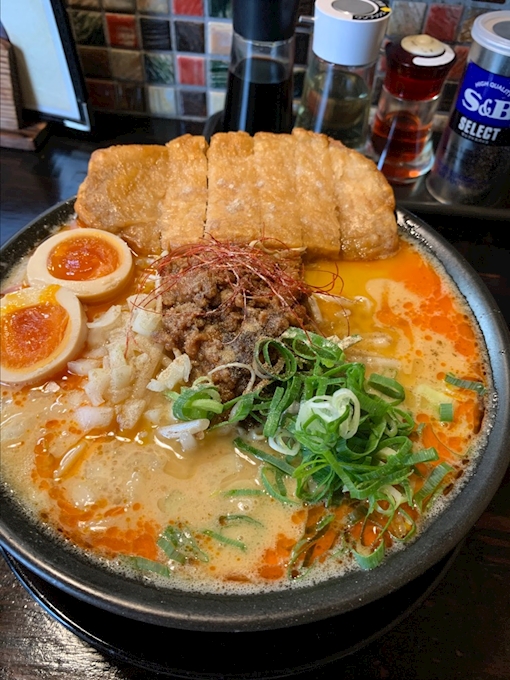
(215,102)
(153,6)
(162,101)
(219,37)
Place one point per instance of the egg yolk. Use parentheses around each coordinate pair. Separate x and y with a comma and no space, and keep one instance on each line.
(31,334)
(82,259)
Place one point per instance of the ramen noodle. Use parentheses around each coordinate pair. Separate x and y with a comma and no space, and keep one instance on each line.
(117,453)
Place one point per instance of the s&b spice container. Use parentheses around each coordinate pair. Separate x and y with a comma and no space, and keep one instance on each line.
(472,162)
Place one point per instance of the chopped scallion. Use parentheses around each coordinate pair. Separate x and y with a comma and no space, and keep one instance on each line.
(369,559)
(388,386)
(446,412)
(234,493)
(224,539)
(238,519)
(473,385)
(143,564)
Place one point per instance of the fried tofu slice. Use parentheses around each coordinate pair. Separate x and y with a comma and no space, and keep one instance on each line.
(365,206)
(123,192)
(233,205)
(303,189)
(276,183)
(316,195)
(182,217)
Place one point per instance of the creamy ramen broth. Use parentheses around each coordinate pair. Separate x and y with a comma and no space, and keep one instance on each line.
(113,491)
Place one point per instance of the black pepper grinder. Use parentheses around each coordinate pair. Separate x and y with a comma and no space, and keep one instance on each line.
(259,89)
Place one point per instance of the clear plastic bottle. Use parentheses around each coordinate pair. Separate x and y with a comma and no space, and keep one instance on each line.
(472,163)
(343,113)
(337,91)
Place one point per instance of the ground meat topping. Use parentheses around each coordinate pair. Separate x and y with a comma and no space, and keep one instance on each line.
(219,301)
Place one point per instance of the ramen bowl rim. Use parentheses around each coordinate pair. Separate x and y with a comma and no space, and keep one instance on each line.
(77,575)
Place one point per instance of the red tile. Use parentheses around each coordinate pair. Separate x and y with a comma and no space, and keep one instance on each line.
(101,94)
(122,30)
(442,21)
(190,7)
(191,70)
(457,69)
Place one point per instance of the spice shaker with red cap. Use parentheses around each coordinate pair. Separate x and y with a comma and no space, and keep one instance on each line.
(416,68)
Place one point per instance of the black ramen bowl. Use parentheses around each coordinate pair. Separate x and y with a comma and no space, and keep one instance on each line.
(76,575)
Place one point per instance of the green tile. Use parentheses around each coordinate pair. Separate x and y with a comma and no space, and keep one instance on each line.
(218,73)
(88,27)
(220,8)
(160,68)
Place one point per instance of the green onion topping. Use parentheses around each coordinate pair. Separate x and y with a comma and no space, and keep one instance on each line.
(332,435)
(465,384)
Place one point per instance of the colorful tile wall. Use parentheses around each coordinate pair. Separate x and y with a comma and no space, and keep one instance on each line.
(169,58)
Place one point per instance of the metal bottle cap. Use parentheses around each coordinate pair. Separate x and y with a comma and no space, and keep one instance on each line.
(492,31)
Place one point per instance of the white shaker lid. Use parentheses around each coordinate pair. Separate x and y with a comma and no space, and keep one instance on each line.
(349,32)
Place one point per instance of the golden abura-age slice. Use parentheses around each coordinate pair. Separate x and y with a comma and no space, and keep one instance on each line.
(315,195)
(365,206)
(183,208)
(276,182)
(123,193)
(233,202)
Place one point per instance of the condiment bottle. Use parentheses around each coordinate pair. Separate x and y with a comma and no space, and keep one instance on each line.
(259,88)
(337,91)
(473,157)
(416,68)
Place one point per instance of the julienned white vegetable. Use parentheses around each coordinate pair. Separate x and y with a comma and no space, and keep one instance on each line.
(315,414)
(393,499)
(101,329)
(83,366)
(96,385)
(319,410)
(284,443)
(92,417)
(345,343)
(145,321)
(177,371)
(69,457)
(184,432)
(109,320)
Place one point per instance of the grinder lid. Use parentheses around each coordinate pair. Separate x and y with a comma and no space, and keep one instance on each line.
(265,20)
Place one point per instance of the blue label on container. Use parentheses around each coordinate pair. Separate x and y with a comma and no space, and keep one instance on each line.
(482,109)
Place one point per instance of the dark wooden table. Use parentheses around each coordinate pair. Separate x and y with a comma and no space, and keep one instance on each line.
(461,631)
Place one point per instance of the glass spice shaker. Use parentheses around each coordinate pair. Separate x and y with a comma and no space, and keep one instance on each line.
(260,83)
(473,157)
(416,68)
(337,91)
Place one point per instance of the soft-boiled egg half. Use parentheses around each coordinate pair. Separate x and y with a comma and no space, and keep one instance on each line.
(41,329)
(93,264)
